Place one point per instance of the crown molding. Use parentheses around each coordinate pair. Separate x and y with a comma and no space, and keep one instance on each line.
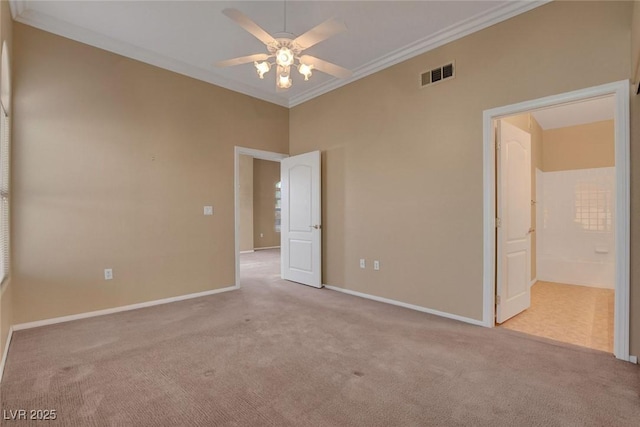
(447,35)
(18,7)
(47,23)
(23,14)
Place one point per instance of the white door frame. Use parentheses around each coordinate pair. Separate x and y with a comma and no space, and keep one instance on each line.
(256,154)
(621,91)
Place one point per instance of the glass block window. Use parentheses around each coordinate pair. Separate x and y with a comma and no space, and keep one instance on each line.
(278,207)
(593,206)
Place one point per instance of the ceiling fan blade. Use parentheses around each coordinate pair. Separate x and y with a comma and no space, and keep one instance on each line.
(242,60)
(320,32)
(326,67)
(245,22)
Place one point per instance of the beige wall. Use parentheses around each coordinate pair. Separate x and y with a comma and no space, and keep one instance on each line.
(403,165)
(635,194)
(246,202)
(6,35)
(113,162)
(579,147)
(529,124)
(257,203)
(6,318)
(90,195)
(265,176)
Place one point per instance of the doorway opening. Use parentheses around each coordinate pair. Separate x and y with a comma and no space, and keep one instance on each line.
(566,228)
(557,218)
(294,208)
(257,210)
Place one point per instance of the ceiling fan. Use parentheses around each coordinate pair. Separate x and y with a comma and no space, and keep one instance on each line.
(286,50)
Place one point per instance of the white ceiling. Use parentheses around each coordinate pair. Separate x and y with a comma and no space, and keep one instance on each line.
(578,113)
(188,37)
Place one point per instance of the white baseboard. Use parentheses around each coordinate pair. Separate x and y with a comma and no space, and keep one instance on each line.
(267,247)
(247,252)
(533,281)
(62,319)
(633,359)
(5,352)
(409,306)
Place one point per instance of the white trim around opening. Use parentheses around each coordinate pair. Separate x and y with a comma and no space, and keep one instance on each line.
(621,91)
(256,154)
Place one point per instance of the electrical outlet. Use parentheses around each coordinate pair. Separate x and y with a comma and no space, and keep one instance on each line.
(363,263)
(108,274)
(208,210)
(376,265)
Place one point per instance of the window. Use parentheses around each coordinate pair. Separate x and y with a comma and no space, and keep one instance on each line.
(278,207)
(593,206)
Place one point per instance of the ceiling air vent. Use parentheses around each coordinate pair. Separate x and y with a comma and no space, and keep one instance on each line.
(437,75)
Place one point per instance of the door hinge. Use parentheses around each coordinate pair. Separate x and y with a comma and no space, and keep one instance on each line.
(497,299)
(498,223)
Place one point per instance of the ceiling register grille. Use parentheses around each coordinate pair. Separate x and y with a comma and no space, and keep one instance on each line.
(437,75)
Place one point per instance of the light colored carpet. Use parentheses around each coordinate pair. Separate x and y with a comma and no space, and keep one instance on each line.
(573,314)
(276,353)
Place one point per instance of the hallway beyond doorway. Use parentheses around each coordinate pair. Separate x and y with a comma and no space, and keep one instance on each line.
(261,265)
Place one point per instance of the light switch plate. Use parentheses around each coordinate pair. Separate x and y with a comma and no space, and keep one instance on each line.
(108,274)
(208,210)
(363,263)
(376,265)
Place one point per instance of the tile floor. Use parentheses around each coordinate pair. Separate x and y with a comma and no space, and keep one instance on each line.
(573,314)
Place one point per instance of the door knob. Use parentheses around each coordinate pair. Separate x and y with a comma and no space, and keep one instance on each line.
(317,227)
(531,230)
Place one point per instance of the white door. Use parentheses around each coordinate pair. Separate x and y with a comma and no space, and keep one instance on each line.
(300,231)
(514,221)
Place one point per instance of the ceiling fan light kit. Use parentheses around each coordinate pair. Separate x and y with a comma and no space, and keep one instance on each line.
(286,52)
(284,77)
(284,56)
(305,70)
(262,68)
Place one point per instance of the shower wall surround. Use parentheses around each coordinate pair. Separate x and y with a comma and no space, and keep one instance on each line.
(575,226)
